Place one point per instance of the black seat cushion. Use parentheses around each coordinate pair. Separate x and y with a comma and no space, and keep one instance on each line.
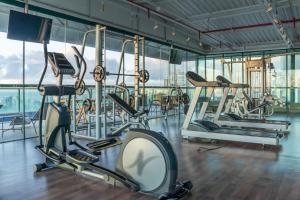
(125,106)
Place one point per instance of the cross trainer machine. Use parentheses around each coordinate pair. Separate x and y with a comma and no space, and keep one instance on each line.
(258,102)
(141,152)
(209,130)
(232,120)
(146,162)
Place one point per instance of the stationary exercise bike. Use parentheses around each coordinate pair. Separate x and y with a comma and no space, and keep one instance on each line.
(146,163)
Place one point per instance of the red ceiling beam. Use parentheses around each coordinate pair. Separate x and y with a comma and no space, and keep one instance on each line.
(292,21)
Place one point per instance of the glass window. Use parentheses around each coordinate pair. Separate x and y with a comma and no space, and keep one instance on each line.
(218,71)
(202,66)
(227,67)
(11,58)
(210,69)
(297,78)
(237,70)
(158,69)
(218,68)
(11,81)
(278,81)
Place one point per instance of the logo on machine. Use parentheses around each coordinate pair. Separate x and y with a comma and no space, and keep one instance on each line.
(140,162)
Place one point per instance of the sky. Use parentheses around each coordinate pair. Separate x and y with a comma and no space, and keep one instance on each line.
(11,63)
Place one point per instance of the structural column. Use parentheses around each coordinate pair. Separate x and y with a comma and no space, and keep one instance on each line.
(136,72)
(98,88)
(292,79)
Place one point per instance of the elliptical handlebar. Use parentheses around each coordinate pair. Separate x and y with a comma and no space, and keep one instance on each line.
(79,65)
(45,67)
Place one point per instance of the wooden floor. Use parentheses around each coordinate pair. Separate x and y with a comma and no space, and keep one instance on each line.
(218,171)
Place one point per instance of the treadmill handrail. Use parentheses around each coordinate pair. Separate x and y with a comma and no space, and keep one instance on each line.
(228,83)
(198,81)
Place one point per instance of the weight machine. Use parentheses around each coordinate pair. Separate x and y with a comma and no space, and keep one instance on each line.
(256,71)
(141,76)
(173,101)
(258,101)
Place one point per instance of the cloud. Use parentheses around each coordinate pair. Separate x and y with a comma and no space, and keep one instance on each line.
(11,69)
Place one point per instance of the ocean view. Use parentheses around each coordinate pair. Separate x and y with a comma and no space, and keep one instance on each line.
(12,100)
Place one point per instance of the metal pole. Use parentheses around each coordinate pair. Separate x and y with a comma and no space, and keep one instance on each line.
(143,56)
(168,75)
(23,76)
(105,89)
(98,88)
(19,100)
(136,72)
(286,84)
(263,76)
(243,69)
(74,114)
(230,69)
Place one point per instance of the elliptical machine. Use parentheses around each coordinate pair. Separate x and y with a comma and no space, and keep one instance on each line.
(146,162)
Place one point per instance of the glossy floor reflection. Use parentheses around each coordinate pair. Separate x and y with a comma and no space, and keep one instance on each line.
(218,171)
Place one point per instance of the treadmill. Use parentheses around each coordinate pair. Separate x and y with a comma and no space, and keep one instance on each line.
(201,128)
(232,120)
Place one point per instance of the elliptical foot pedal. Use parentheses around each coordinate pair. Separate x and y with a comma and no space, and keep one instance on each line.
(97,146)
(39,167)
(182,189)
(81,157)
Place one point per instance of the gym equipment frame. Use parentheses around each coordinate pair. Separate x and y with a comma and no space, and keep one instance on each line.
(209,130)
(227,118)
